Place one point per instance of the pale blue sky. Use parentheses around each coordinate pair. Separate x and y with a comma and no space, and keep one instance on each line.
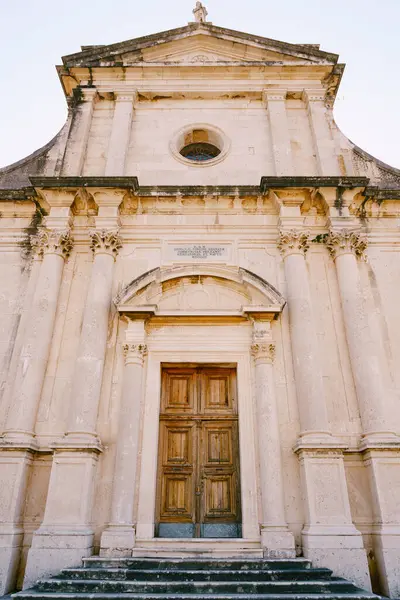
(36,33)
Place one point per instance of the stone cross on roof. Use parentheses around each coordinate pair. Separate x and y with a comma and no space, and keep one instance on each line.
(200,13)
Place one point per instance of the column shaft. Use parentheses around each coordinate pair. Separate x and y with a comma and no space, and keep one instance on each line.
(31,370)
(275,536)
(120,133)
(89,364)
(309,385)
(278,122)
(364,359)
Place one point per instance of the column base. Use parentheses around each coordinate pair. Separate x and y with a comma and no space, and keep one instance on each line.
(10,554)
(117,541)
(277,542)
(54,550)
(341,552)
(387,553)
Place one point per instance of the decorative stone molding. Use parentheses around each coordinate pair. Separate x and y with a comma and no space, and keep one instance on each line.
(134,351)
(52,241)
(346,241)
(293,242)
(263,352)
(105,242)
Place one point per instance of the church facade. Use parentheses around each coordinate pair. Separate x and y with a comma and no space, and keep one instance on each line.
(199,324)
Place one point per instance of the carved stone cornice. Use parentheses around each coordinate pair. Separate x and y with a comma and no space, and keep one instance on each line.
(134,352)
(263,351)
(105,242)
(52,241)
(346,241)
(293,241)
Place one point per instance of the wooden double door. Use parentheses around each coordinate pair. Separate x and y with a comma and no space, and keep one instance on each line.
(198,479)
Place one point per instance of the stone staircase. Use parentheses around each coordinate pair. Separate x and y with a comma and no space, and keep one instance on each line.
(193,579)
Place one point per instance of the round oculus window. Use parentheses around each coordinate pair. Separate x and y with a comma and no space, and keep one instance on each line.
(200,145)
(200,151)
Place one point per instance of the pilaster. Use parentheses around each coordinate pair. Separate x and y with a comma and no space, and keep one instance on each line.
(276,539)
(79,133)
(275,101)
(324,144)
(119,537)
(120,132)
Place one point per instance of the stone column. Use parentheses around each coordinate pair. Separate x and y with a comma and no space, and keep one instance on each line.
(65,535)
(92,346)
(324,144)
(18,443)
(119,537)
(329,536)
(275,100)
(379,443)
(293,245)
(276,539)
(120,133)
(79,133)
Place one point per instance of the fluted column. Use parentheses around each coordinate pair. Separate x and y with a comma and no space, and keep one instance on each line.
(119,537)
(276,539)
(293,245)
(92,346)
(379,444)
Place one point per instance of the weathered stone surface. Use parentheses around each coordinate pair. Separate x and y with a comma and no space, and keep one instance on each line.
(278,256)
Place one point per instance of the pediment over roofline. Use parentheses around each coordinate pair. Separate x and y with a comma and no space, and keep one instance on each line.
(200,290)
(216,43)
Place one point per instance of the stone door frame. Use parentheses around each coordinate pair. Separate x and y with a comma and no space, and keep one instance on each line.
(145,527)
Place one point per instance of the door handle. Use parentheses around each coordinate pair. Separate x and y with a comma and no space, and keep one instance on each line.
(198,490)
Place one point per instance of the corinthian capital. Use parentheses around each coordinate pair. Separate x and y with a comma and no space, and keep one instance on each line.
(105,242)
(52,241)
(264,352)
(293,242)
(134,352)
(345,241)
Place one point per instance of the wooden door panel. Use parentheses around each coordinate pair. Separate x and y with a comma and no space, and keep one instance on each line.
(178,391)
(218,444)
(220,497)
(218,392)
(178,447)
(177,497)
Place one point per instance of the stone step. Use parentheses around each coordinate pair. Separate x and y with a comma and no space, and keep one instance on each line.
(35,595)
(198,587)
(195,564)
(197,575)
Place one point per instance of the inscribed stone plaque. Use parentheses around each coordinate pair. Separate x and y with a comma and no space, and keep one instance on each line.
(198,252)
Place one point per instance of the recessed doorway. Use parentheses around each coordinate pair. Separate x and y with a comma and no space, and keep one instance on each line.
(198,479)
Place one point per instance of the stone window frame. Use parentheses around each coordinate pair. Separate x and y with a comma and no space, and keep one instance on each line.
(217,137)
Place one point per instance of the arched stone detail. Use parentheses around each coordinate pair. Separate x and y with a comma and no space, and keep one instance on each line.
(258,294)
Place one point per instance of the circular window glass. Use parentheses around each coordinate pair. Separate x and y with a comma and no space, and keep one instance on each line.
(200,151)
